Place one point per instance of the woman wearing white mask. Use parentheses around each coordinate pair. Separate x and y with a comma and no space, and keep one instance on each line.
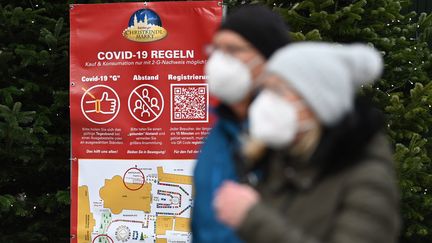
(240,48)
(326,173)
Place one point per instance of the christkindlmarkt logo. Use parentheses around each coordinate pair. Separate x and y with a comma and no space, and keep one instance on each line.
(145,25)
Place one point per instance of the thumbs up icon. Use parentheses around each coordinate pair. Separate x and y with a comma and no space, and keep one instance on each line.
(104,105)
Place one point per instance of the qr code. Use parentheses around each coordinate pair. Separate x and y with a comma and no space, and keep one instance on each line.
(189,103)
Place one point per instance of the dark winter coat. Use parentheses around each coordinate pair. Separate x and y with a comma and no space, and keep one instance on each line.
(346,193)
(215,164)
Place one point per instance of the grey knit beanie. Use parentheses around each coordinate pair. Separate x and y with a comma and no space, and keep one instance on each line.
(326,75)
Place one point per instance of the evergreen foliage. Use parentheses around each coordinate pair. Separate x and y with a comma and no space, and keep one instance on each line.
(34,122)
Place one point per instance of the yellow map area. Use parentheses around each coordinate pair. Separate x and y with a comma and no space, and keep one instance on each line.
(173,178)
(163,223)
(182,224)
(86,221)
(118,197)
(161,240)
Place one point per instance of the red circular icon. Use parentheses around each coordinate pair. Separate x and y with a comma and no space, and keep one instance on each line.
(145,103)
(133,179)
(103,235)
(100,104)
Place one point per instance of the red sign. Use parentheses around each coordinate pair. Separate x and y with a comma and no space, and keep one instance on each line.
(139,109)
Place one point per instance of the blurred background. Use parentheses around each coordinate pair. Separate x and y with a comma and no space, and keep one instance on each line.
(34,102)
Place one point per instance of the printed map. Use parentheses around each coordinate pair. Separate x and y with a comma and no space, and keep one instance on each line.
(144,201)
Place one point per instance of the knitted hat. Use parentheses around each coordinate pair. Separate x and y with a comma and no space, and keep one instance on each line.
(327,75)
(264,29)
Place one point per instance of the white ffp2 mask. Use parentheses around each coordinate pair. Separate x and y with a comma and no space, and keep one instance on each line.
(274,120)
(229,79)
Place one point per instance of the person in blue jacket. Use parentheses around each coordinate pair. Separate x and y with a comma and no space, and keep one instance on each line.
(240,48)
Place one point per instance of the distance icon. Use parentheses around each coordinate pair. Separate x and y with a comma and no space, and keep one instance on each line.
(145,103)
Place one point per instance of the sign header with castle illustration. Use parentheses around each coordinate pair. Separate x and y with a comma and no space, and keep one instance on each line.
(145,25)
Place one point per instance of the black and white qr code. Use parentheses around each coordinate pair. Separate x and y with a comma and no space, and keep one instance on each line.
(189,103)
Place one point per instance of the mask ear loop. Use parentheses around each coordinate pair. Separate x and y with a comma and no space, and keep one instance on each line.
(304,125)
(251,64)
(311,133)
(258,83)
(305,147)
(254,62)
(307,125)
